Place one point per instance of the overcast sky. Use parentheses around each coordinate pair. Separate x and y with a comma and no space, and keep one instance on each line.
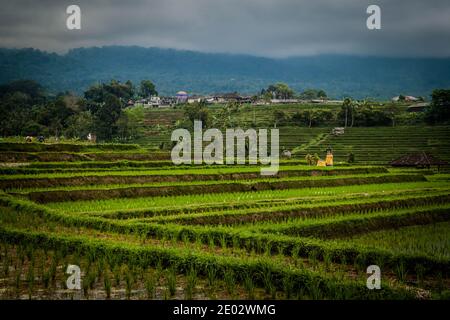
(275,28)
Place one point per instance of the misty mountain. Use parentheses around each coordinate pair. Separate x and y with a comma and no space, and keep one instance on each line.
(203,73)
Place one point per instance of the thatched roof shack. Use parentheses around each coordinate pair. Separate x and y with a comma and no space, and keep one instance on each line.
(419,159)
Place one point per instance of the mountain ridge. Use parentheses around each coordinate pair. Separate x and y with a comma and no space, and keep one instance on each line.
(196,72)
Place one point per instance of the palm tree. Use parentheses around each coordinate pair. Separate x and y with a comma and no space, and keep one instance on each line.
(354,106)
(347,104)
(311,116)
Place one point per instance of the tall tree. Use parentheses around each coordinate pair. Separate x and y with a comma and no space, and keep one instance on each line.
(105,123)
(148,89)
(279,91)
(98,92)
(354,105)
(79,125)
(322,94)
(392,112)
(197,111)
(312,114)
(346,105)
(439,110)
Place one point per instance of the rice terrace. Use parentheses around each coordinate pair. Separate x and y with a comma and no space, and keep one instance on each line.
(207,159)
(140,227)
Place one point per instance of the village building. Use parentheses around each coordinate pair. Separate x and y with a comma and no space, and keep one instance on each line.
(283,101)
(418,107)
(419,160)
(195,99)
(337,131)
(227,97)
(166,102)
(407,99)
(181,97)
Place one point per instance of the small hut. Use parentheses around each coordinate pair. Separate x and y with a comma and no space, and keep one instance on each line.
(418,160)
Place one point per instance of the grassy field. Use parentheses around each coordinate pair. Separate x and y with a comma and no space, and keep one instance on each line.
(141,229)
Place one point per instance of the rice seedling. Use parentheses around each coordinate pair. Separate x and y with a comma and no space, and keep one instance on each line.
(211,242)
(198,243)
(288,286)
(295,252)
(211,276)
(6,264)
(230,284)
(420,271)
(268,248)
(150,284)
(17,278)
(223,242)
(171,281)
(107,285)
(53,268)
(249,287)
(268,282)
(30,279)
(191,282)
(101,266)
(314,289)
(360,262)
(46,277)
(90,278)
(313,258)
(117,275)
(129,282)
(327,259)
(401,272)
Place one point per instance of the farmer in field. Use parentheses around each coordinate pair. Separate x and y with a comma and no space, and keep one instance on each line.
(329,158)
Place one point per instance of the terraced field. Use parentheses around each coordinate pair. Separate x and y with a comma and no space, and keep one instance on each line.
(149,230)
(381,145)
(370,145)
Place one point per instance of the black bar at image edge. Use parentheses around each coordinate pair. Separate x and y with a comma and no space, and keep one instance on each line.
(257,309)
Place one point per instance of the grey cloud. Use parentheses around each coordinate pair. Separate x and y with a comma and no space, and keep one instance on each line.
(260,27)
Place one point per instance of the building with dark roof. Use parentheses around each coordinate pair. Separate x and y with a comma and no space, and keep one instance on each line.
(418,160)
(418,107)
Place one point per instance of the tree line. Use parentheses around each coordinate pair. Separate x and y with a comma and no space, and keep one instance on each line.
(350,114)
(26,109)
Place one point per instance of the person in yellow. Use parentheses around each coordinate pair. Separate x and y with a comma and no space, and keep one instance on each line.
(329,158)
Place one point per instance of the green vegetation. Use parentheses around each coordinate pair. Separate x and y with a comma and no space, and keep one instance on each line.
(199,187)
(29,111)
(381,145)
(202,202)
(143,229)
(431,240)
(66,147)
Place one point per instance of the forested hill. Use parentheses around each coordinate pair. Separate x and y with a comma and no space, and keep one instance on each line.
(203,73)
